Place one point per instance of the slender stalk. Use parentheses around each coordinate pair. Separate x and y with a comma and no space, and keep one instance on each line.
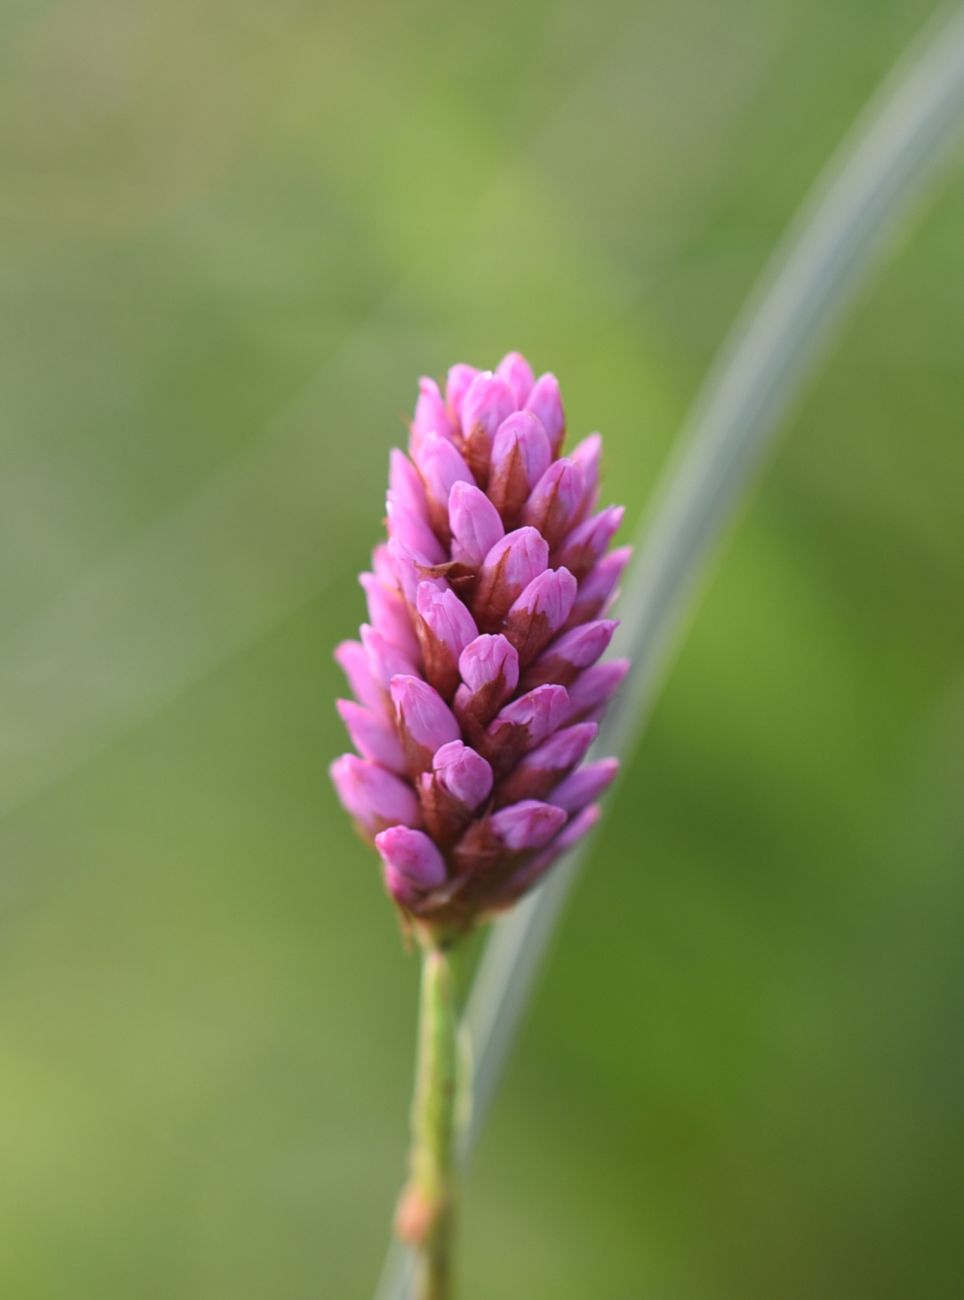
(426,1211)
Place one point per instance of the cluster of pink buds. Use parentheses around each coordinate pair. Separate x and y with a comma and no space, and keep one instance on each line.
(477,680)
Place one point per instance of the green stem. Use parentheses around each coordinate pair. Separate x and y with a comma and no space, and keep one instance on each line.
(426,1210)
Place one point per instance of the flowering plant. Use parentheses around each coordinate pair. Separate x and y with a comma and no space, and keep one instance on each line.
(478,687)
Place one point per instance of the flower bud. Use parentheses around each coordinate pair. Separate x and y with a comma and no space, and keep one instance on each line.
(529,875)
(489,667)
(459,783)
(383,567)
(445,628)
(506,572)
(373,735)
(458,383)
(486,404)
(585,544)
(527,825)
(540,612)
(584,785)
(597,589)
(430,414)
(520,456)
(545,401)
(405,485)
(353,661)
(463,774)
(411,572)
(425,722)
(387,610)
(414,533)
(594,688)
(545,766)
(475,525)
(517,373)
(385,659)
(373,796)
(587,455)
(556,500)
(573,651)
(441,467)
(413,865)
(524,724)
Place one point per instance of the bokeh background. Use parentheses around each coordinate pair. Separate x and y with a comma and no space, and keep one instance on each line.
(231,237)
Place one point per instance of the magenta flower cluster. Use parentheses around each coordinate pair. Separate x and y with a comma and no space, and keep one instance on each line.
(477,681)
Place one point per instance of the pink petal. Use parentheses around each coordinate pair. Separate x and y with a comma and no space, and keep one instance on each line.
(528,825)
(372,735)
(584,785)
(374,796)
(475,524)
(425,722)
(520,456)
(413,865)
(545,401)
(517,373)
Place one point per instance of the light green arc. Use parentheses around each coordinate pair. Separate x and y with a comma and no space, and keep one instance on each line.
(894,149)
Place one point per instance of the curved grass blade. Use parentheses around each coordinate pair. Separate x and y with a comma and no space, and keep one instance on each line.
(866,191)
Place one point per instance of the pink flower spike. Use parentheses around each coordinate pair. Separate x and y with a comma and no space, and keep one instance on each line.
(445,628)
(545,401)
(517,373)
(506,572)
(372,735)
(593,689)
(425,722)
(572,652)
(463,774)
(540,612)
(587,543)
(373,796)
(406,486)
(475,523)
(353,661)
(387,611)
(413,865)
(494,580)
(430,414)
(584,785)
(487,403)
(528,825)
(414,533)
(490,673)
(459,382)
(520,456)
(556,500)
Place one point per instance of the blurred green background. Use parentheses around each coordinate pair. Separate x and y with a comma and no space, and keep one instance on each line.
(231,238)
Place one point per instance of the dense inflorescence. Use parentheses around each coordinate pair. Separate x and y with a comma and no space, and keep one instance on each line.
(477,680)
